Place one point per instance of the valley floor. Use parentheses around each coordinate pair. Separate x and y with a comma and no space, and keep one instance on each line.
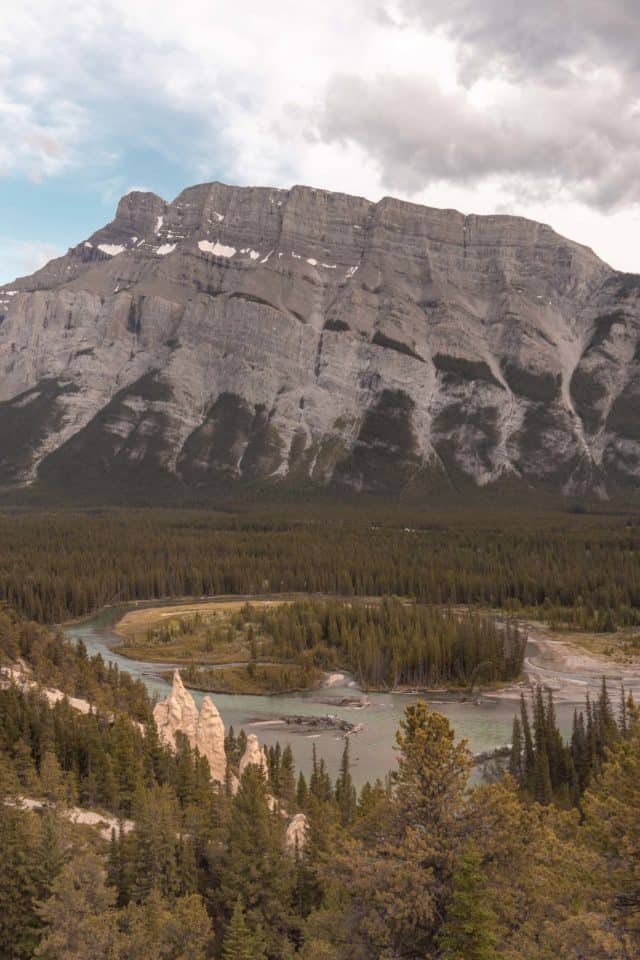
(569,664)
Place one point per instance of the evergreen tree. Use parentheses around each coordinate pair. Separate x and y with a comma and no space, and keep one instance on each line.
(52,779)
(19,887)
(78,917)
(51,850)
(177,930)
(302,791)
(432,768)
(345,792)
(612,820)
(580,751)
(239,942)
(516,759)
(469,930)
(255,866)
(528,754)
(542,789)
(288,779)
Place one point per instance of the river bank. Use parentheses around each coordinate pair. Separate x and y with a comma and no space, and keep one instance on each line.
(485,722)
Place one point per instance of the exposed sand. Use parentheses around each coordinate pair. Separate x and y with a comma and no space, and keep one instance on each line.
(53,696)
(568,670)
(136,621)
(102,821)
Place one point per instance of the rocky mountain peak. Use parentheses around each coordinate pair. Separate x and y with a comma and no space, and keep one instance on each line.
(242,335)
(138,212)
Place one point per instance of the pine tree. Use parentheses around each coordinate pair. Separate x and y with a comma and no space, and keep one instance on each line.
(606,727)
(580,751)
(469,930)
(302,791)
(542,789)
(345,792)
(515,759)
(612,822)
(51,851)
(256,866)
(239,942)
(19,887)
(288,779)
(53,785)
(153,846)
(429,759)
(79,918)
(528,760)
(371,796)
(165,930)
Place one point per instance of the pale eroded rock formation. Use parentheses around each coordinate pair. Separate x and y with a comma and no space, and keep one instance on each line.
(296,835)
(204,729)
(210,739)
(253,754)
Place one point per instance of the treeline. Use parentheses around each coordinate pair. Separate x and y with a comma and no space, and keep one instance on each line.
(59,565)
(418,868)
(549,770)
(53,662)
(392,643)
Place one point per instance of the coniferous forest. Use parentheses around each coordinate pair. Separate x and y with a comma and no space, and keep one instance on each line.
(539,861)
(393,644)
(575,568)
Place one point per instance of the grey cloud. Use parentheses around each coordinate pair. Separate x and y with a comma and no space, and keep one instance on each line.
(540,37)
(538,139)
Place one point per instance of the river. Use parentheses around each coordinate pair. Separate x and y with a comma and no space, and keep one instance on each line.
(485,725)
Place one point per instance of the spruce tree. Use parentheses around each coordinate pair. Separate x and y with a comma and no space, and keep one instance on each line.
(288,779)
(239,942)
(79,918)
(345,792)
(515,759)
(528,759)
(580,751)
(256,866)
(469,930)
(19,888)
(542,789)
(302,791)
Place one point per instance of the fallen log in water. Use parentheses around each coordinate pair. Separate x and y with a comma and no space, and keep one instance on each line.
(327,722)
(485,755)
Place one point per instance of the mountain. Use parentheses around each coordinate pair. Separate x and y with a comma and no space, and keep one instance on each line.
(242,336)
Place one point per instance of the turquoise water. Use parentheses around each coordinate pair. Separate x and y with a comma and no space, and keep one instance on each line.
(485,725)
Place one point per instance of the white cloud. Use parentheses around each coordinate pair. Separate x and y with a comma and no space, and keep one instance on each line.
(454,103)
(24,258)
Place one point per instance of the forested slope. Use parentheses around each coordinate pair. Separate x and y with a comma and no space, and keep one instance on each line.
(531,867)
(579,568)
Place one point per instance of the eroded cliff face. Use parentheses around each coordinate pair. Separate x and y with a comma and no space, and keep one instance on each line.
(242,335)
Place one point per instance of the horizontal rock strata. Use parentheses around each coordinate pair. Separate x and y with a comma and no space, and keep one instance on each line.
(249,335)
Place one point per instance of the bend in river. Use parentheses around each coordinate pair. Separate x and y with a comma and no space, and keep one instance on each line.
(486,724)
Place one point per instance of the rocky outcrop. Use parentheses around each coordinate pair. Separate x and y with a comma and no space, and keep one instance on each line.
(204,730)
(177,714)
(210,739)
(296,834)
(253,755)
(104,824)
(298,336)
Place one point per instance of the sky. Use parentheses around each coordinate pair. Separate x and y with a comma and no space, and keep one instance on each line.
(479,106)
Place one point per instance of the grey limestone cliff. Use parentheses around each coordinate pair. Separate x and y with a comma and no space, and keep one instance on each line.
(252,335)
